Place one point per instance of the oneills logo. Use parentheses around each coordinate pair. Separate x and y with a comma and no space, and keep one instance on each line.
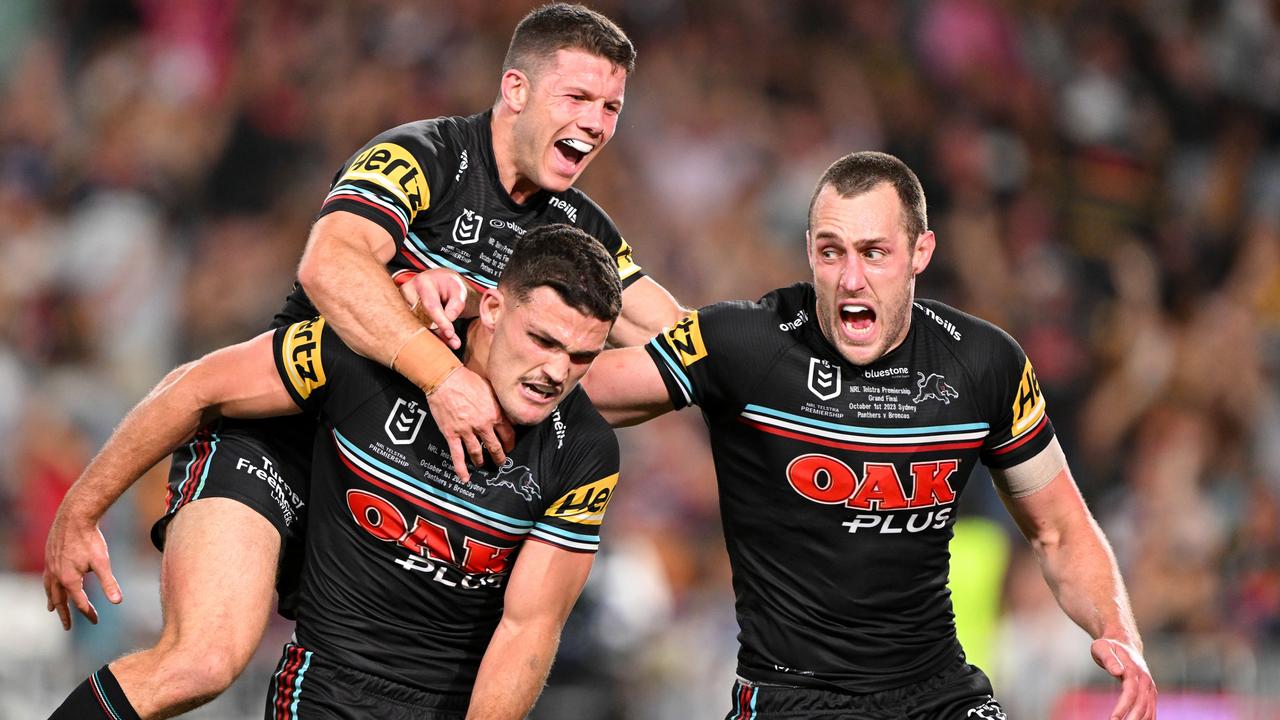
(301,355)
(685,338)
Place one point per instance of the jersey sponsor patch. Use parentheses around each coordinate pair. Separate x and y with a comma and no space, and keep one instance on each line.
(585,505)
(1028,404)
(625,260)
(685,337)
(301,354)
(394,169)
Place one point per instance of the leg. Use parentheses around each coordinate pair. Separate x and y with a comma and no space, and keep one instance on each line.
(216,586)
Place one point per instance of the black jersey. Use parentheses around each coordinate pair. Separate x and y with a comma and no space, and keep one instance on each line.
(433,185)
(406,566)
(838,483)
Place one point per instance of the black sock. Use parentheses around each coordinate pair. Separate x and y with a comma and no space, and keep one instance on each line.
(98,697)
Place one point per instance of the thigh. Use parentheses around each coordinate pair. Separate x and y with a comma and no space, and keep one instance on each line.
(218,576)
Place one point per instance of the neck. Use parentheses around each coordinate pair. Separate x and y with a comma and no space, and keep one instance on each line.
(502,127)
(476,356)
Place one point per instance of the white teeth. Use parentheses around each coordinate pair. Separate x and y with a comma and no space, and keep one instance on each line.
(854,308)
(578,145)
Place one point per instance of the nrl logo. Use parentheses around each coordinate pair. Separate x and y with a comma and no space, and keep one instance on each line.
(934,387)
(516,477)
(466,229)
(404,422)
(824,379)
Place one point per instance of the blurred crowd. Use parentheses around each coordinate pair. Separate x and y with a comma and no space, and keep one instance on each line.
(1103,178)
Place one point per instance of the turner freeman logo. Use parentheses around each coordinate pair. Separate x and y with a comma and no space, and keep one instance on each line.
(824,379)
(934,387)
(466,229)
(516,477)
(404,422)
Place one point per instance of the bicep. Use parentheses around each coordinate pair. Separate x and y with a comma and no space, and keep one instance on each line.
(647,308)
(242,381)
(1054,509)
(339,231)
(626,387)
(545,583)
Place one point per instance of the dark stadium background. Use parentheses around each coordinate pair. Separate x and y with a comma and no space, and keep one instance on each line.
(1103,177)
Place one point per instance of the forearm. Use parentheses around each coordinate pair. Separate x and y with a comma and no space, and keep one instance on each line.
(167,416)
(344,273)
(1082,572)
(647,308)
(513,670)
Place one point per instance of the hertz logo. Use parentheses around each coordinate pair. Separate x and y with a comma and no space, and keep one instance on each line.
(685,337)
(1028,404)
(626,263)
(395,170)
(585,505)
(301,355)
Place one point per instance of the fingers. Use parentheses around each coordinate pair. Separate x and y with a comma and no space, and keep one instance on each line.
(459,458)
(102,568)
(86,608)
(493,445)
(506,434)
(474,449)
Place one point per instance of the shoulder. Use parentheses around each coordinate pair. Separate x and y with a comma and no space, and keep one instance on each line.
(580,210)
(578,419)
(974,340)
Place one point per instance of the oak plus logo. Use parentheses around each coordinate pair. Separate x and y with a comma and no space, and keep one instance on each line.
(466,229)
(824,379)
(404,422)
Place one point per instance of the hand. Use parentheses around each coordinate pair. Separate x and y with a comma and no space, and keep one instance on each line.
(1138,689)
(74,548)
(437,297)
(468,415)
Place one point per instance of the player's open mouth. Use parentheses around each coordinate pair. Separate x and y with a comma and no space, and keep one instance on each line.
(574,150)
(857,319)
(539,392)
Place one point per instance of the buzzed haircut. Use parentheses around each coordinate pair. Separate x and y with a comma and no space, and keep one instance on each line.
(569,261)
(860,172)
(562,26)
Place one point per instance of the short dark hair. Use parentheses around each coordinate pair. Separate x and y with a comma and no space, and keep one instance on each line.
(569,261)
(860,172)
(561,26)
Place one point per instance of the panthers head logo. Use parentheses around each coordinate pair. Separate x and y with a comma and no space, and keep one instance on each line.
(990,710)
(517,477)
(934,387)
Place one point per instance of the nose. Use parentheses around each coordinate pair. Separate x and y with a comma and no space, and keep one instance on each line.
(556,368)
(592,120)
(852,276)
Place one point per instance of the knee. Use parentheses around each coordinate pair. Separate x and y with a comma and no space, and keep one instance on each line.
(200,671)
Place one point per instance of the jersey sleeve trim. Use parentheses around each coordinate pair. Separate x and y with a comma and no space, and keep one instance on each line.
(565,539)
(672,373)
(367,205)
(558,546)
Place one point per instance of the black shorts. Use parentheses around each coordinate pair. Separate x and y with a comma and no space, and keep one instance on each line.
(961,692)
(306,687)
(263,464)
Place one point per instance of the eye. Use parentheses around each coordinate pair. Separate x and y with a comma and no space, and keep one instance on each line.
(582,358)
(873,254)
(829,253)
(613,108)
(543,341)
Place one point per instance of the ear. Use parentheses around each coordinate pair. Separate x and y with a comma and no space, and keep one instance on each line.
(492,303)
(808,248)
(515,88)
(925,245)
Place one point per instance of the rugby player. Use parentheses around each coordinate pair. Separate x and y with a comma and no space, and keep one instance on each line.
(444,193)
(417,586)
(845,419)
